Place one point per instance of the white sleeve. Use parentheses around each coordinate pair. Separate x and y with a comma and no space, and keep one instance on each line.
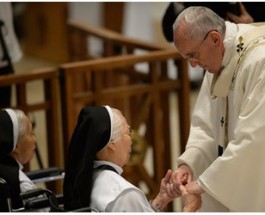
(201,149)
(25,183)
(236,179)
(129,201)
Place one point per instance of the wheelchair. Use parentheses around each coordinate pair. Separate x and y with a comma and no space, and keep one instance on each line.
(39,199)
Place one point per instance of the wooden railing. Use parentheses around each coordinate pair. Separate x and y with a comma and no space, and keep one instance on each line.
(82,36)
(115,44)
(47,103)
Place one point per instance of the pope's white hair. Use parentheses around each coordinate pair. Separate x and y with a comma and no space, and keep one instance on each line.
(199,21)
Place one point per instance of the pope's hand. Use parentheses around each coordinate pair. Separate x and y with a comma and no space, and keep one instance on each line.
(194,188)
(182,176)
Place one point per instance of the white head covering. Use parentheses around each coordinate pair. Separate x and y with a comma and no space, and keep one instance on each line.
(111,121)
(14,120)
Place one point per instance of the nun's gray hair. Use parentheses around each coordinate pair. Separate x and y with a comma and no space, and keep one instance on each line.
(199,21)
(22,126)
(118,124)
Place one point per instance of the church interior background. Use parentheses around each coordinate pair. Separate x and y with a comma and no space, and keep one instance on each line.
(43,44)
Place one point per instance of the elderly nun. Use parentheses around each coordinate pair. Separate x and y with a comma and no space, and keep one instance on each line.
(100,146)
(17,145)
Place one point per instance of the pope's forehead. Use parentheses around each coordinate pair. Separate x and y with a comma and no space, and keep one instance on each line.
(182,38)
(182,32)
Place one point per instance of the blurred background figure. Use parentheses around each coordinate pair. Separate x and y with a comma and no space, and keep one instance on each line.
(10,51)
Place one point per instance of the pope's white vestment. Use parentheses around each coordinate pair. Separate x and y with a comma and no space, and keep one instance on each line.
(230,113)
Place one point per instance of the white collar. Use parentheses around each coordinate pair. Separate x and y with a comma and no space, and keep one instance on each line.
(229,39)
(222,81)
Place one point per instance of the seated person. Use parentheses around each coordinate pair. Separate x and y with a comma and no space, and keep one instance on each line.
(99,148)
(17,145)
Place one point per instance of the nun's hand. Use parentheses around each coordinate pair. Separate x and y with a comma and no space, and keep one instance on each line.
(191,202)
(166,193)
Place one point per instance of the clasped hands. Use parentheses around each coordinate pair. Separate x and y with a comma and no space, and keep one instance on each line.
(180,183)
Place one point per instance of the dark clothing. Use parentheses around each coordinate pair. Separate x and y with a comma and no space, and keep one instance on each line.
(91,134)
(5,92)
(9,168)
(6,133)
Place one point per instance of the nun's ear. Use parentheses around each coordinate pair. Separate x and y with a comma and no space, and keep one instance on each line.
(111,146)
(15,152)
(17,145)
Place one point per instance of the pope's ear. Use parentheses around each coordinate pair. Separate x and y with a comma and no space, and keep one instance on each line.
(216,41)
(215,37)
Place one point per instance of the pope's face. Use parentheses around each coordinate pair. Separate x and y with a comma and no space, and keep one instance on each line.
(206,53)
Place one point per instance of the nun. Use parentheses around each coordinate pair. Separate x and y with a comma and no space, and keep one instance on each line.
(100,146)
(17,146)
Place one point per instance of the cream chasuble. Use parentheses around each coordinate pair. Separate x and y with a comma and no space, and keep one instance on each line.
(230,112)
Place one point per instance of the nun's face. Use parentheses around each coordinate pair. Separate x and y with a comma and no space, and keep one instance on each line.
(26,144)
(123,146)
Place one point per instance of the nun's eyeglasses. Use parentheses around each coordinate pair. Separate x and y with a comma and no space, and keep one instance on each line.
(129,134)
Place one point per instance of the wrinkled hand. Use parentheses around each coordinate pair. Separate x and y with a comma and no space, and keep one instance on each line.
(245,17)
(182,176)
(166,193)
(166,187)
(191,202)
